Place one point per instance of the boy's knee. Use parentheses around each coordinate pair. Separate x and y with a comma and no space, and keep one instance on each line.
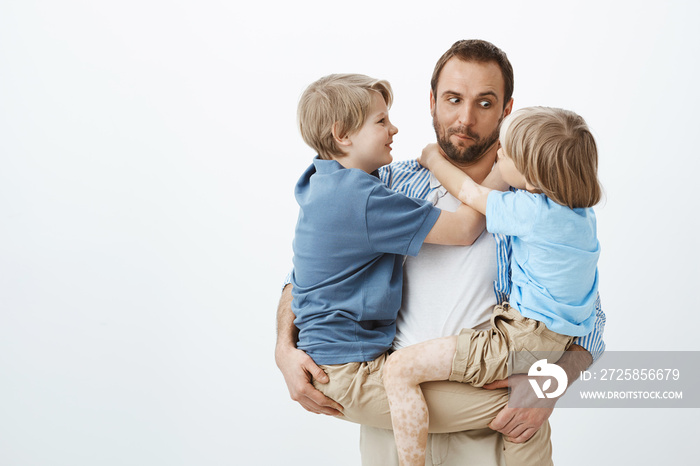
(396,369)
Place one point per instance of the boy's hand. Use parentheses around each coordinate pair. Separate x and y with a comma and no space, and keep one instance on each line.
(430,151)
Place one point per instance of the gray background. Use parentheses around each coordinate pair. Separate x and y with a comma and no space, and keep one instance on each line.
(149,152)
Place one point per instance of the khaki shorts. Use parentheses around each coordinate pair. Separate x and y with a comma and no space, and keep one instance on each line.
(452,407)
(511,346)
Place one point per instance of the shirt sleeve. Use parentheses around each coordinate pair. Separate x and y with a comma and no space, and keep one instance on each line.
(287,279)
(512,213)
(397,224)
(593,342)
(407,177)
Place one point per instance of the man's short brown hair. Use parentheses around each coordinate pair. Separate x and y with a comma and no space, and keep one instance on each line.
(479,51)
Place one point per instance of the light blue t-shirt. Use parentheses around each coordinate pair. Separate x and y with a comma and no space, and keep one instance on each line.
(554,259)
(350,239)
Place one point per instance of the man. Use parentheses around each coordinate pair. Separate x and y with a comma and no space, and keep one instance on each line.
(447,288)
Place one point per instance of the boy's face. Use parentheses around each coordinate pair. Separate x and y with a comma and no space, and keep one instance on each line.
(370,147)
(468,108)
(510,174)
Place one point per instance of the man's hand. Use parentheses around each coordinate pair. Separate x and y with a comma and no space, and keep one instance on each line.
(519,424)
(298,370)
(296,366)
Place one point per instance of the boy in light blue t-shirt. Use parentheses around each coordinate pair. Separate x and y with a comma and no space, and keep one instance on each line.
(551,157)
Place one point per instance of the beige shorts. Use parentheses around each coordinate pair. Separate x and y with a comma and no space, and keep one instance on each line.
(452,407)
(510,346)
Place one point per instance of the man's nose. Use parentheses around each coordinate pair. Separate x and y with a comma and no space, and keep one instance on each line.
(467,116)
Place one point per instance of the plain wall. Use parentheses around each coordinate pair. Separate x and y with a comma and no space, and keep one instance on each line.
(148,155)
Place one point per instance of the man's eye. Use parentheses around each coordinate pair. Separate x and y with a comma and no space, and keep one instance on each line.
(485,104)
(454,100)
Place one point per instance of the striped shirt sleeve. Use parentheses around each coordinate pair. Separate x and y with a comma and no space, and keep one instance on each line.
(593,342)
(287,279)
(408,177)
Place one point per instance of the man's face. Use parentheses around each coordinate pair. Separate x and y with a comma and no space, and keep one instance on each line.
(468,109)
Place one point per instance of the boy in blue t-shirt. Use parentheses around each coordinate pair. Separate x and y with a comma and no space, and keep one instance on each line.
(551,157)
(351,236)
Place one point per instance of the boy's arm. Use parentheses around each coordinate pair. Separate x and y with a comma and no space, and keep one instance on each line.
(459,228)
(458,183)
(296,366)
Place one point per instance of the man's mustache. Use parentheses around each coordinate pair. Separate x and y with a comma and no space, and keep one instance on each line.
(463,131)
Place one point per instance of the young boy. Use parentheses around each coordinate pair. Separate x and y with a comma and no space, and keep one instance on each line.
(350,239)
(550,155)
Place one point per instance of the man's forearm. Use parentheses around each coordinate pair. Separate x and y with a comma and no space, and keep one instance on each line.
(286,330)
(296,366)
(575,360)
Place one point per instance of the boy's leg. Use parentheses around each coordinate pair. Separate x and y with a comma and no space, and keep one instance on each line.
(404,371)
(453,407)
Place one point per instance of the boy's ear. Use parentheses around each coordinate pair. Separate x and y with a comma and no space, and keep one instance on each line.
(343,139)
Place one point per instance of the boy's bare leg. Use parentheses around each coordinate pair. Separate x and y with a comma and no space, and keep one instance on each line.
(403,373)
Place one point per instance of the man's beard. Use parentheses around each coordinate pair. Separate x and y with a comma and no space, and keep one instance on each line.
(465,155)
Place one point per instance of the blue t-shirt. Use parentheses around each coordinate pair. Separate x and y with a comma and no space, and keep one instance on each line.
(349,243)
(554,259)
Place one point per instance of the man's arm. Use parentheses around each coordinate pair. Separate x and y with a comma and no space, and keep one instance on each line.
(296,366)
(519,424)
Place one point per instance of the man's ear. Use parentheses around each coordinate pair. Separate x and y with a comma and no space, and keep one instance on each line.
(340,139)
(432,104)
(508,108)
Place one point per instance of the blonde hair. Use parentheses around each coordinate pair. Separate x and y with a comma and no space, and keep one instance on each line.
(556,152)
(341,101)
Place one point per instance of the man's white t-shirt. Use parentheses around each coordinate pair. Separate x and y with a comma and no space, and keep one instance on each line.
(447,288)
